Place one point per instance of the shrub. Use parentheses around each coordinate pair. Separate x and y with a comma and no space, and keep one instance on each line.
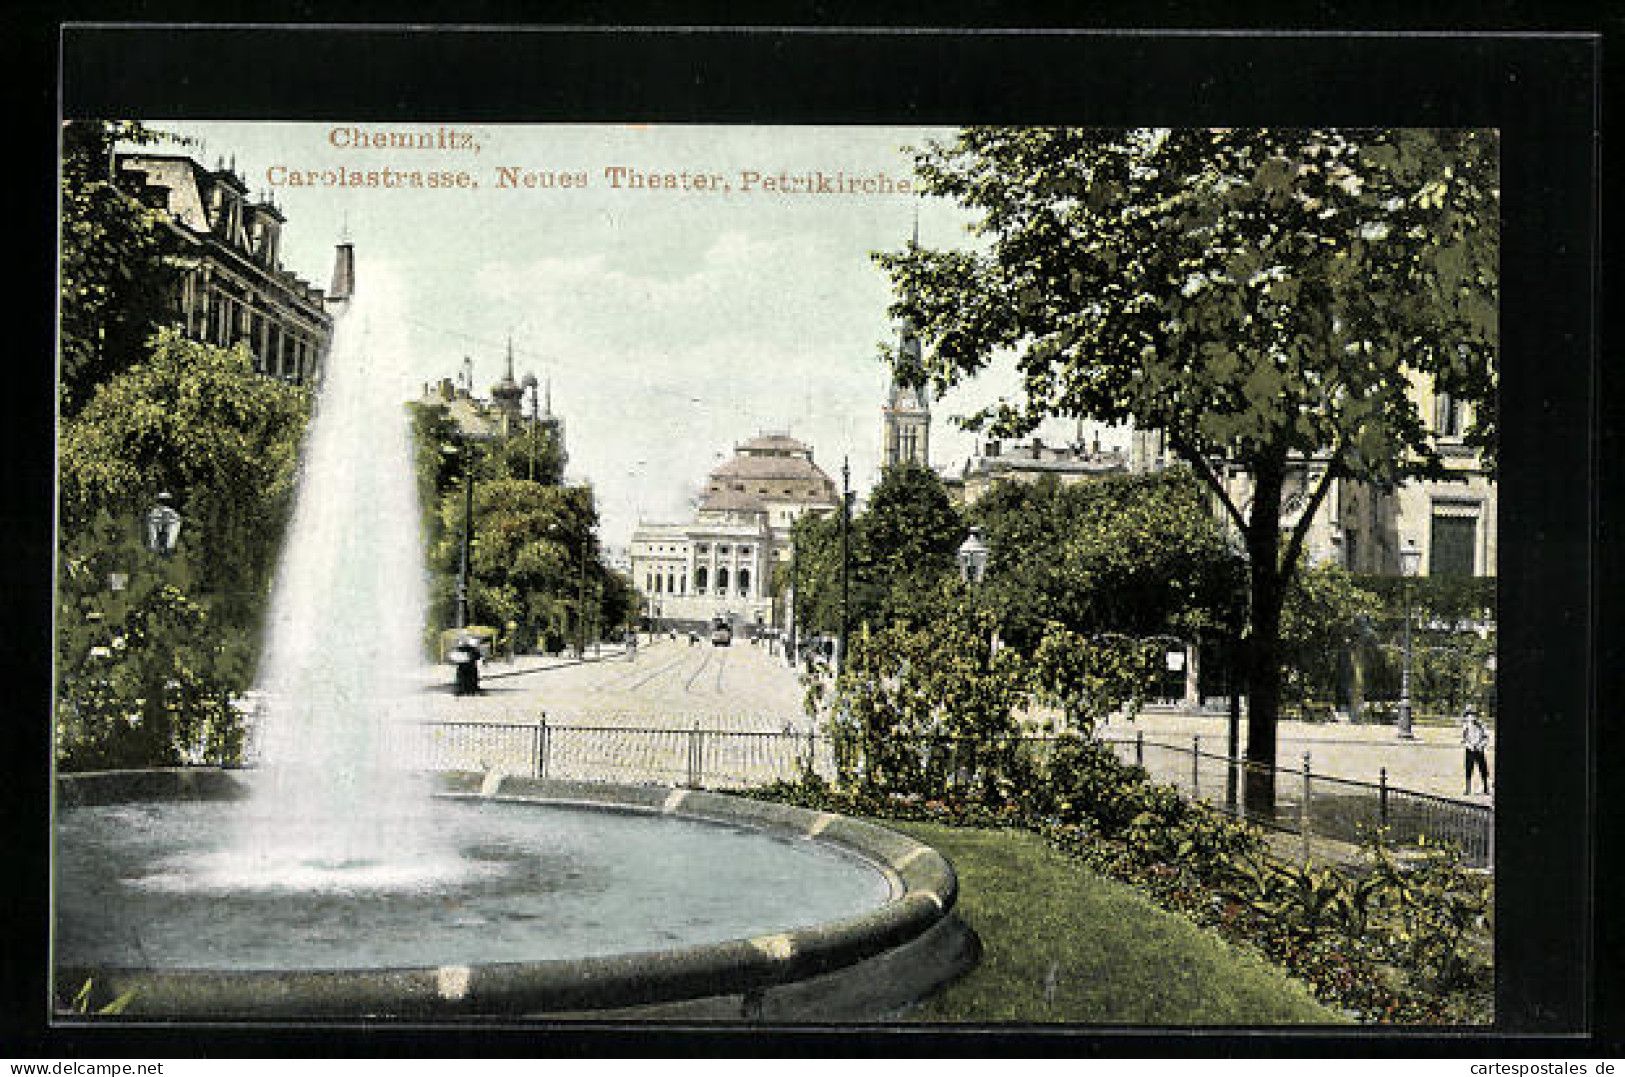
(1086,780)
(1434,905)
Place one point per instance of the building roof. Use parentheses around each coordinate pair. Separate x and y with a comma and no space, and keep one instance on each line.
(775,444)
(183,188)
(769,467)
(740,484)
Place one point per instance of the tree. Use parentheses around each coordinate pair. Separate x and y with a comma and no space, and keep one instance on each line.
(1090,677)
(900,548)
(816,565)
(531,452)
(1132,554)
(146,677)
(529,547)
(115,283)
(905,542)
(437,444)
(196,421)
(1326,618)
(1261,297)
(923,705)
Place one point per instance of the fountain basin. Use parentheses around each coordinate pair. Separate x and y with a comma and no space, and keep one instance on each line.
(873,944)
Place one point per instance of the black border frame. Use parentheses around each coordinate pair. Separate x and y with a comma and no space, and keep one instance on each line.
(1542,92)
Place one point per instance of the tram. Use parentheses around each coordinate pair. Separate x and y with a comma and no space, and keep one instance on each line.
(722,633)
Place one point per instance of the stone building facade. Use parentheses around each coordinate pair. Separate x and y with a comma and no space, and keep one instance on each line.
(720,563)
(1028,460)
(1451,523)
(231,286)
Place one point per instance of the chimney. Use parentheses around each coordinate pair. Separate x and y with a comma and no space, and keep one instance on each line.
(343,285)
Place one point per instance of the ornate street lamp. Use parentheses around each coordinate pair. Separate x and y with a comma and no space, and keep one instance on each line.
(973,558)
(1410,563)
(163,526)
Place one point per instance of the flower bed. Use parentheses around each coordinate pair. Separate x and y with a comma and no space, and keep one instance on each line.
(1400,939)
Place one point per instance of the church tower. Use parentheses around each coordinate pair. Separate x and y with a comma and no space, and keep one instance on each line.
(542,415)
(506,394)
(905,418)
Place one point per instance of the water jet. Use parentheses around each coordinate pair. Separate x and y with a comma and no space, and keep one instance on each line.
(333,882)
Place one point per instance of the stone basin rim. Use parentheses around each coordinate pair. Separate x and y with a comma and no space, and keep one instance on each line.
(923,884)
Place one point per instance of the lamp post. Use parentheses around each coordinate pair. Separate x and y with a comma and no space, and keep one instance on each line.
(1410,562)
(529,385)
(163,526)
(795,597)
(468,541)
(846,512)
(456,451)
(581,604)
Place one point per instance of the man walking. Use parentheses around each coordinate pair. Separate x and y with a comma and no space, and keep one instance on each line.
(1476,739)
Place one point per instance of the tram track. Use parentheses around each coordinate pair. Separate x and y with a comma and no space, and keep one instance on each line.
(705,661)
(640,678)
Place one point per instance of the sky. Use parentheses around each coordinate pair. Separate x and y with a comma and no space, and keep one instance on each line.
(673,324)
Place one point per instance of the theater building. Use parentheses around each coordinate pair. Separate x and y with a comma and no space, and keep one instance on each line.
(720,563)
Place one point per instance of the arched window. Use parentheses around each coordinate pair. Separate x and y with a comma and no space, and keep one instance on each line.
(722,581)
(744,583)
(658,581)
(699,580)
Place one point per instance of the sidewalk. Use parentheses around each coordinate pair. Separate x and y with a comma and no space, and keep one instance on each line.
(1432,763)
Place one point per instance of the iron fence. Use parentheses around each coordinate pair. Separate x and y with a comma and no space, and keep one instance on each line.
(1312,806)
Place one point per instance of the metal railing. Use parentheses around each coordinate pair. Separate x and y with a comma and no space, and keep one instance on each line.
(694,757)
(1315,806)
(1312,806)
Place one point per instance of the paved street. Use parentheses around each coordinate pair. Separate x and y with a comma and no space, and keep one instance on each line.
(612,718)
(670,685)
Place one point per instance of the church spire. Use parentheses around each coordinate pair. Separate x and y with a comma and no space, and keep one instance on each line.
(905,424)
(506,393)
(909,342)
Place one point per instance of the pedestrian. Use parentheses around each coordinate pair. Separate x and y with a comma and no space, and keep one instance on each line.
(1476,739)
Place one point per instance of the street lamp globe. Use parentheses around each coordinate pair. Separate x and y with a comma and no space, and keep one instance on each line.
(1410,558)
(163,526)
(973,558)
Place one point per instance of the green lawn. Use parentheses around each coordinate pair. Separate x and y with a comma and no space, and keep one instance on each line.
(1063,945)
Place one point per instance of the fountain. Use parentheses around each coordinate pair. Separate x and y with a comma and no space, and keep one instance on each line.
(333,881)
